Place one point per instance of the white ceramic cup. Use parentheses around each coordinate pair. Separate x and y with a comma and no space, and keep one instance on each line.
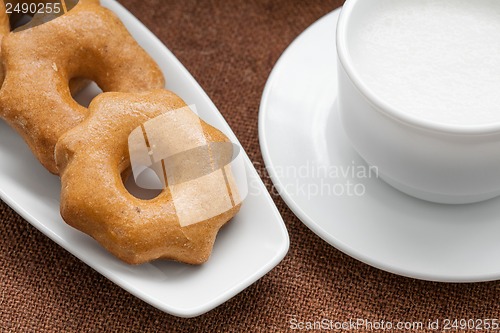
(434,161)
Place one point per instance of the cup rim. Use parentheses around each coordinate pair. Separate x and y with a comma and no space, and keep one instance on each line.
(381,105)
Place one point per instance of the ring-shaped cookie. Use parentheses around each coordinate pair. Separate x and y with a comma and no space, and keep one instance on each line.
(92,158)
(87,42)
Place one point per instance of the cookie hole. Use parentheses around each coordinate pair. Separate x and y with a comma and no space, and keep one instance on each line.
(18,20)
(84,91)
(139,192)
(29,13)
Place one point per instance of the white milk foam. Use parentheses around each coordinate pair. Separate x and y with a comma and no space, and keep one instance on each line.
(434,59)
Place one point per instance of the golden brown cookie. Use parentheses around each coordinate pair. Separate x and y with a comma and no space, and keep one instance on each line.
(87,42)
(4,30)
(5,27)
(93,157)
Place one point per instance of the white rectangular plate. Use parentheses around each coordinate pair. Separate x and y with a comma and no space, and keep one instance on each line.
(247,248)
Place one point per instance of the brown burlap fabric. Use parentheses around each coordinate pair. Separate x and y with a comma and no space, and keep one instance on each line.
(230,47)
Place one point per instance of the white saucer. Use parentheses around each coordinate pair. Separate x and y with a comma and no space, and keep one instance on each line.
(301,137)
